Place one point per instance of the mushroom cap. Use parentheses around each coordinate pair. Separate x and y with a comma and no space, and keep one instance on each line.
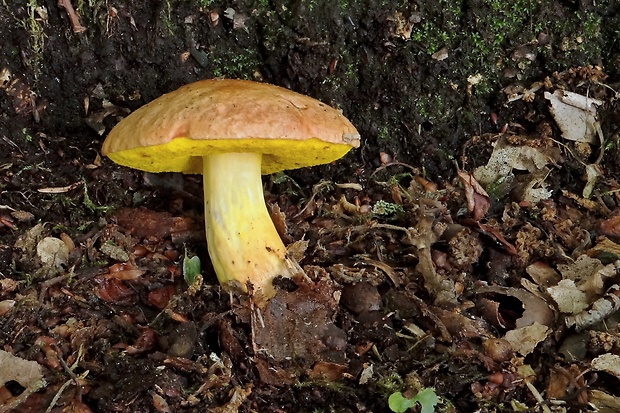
(173,132)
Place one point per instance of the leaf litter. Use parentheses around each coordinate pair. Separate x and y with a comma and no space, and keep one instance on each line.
(497,288)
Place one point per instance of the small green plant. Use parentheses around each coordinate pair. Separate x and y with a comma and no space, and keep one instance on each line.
(387,209)
(191,269)
(427,398)
(27,137)
(33,24)
(92,207)
(383,133)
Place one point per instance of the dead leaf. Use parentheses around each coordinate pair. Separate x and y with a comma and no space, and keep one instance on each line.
(564,381)
(604,402)
(25,372)
(569,299)
(602,308)
(29,374)
(327,371)
(296,329)
(525,339)
(610,227)
(463,326)
(237,396)
(604,248)
(543,274)
(145,223)
(609,363)
(506,157)
(478,202)
(535,309)
(52,252)
(575,115)
(113,290)
(5,306)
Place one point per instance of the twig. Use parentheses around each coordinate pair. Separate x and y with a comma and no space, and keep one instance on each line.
(73,17)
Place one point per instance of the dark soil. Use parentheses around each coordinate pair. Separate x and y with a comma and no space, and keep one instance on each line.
(427,84)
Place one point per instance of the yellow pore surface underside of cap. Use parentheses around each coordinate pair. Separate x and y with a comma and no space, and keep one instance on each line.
(185,155)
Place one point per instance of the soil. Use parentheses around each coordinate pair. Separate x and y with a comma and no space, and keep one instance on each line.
(417,277)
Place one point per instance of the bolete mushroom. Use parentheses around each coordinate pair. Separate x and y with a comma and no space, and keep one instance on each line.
(231,131)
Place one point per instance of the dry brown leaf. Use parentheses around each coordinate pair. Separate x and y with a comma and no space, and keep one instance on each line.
(610,227)
(609,363)
(52,252)
(478,202)
(604,402)
(543,274)
(29,374)
(525,339)
(569,298)
(506,157)
(535,309)
(296,329)
(145,223)
(237,396)
(604,247)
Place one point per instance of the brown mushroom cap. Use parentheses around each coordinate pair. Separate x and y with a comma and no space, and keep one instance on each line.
(172,133)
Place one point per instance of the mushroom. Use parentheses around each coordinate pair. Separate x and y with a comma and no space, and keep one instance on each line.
(231,131)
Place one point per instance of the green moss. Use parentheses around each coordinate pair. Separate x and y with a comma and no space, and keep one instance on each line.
(240,64)
(95,15)
(383,133)
(168,25)
(33,24)
(203,4)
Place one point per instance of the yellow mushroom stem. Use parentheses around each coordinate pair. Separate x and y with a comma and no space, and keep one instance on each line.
(243,243)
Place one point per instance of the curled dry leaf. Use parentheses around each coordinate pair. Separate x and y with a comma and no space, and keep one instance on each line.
(160,297)
(564,381)
(327,371)
(29,374)
(478,202)
(535,309)
(604,402)
(129,274)
(237,397)
(462,326)
(145,341)
(609,363)
(543,274)
(602,308)
(604,248)
(506,157)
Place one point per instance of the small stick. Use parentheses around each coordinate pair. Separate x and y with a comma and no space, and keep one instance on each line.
(73,17)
